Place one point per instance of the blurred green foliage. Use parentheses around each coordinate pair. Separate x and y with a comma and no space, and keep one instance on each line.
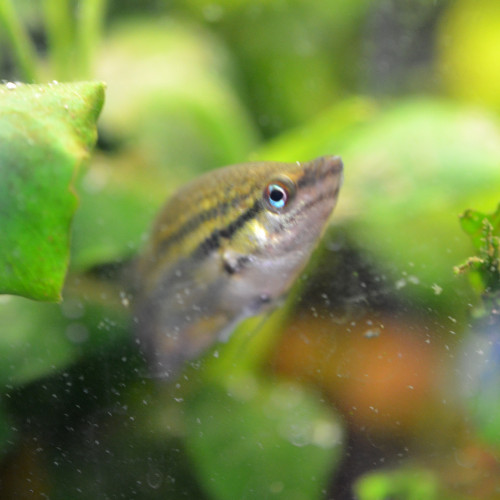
(405,93)
(467,48)
(244,434)
(409,484)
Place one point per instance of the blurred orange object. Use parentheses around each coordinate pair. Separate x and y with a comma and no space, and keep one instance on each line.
(388,376)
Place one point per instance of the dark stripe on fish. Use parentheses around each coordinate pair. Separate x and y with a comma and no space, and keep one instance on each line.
(213,242)
(197,220)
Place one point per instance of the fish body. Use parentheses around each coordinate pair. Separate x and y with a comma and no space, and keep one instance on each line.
(227,246)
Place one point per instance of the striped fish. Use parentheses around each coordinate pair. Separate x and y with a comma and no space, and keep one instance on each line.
(227,246)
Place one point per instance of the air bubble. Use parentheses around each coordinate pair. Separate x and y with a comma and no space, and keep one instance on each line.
(77,333)
(155,478)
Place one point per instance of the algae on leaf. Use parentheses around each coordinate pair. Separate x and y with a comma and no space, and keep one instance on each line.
(46,132)
(484,267)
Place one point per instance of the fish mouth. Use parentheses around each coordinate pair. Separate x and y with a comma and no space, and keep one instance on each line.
(317,192)
(321,185)
(324,168)
(329,176)
(329,165)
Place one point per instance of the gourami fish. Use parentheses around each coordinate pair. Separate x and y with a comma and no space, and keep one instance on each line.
(227,246)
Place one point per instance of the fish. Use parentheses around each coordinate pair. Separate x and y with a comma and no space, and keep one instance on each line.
(226,246)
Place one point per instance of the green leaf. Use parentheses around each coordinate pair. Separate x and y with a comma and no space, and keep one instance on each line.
(472,224)
(253,440)
(484,267)
(403,484)
(46,131)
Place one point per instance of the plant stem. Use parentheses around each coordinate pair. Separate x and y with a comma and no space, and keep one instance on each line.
(90,19)
(22,46)
(59,25)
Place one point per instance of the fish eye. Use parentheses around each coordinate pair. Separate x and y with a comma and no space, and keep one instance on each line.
(278,193)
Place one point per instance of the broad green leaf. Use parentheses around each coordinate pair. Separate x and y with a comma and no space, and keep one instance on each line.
(253,440)
(46,132)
